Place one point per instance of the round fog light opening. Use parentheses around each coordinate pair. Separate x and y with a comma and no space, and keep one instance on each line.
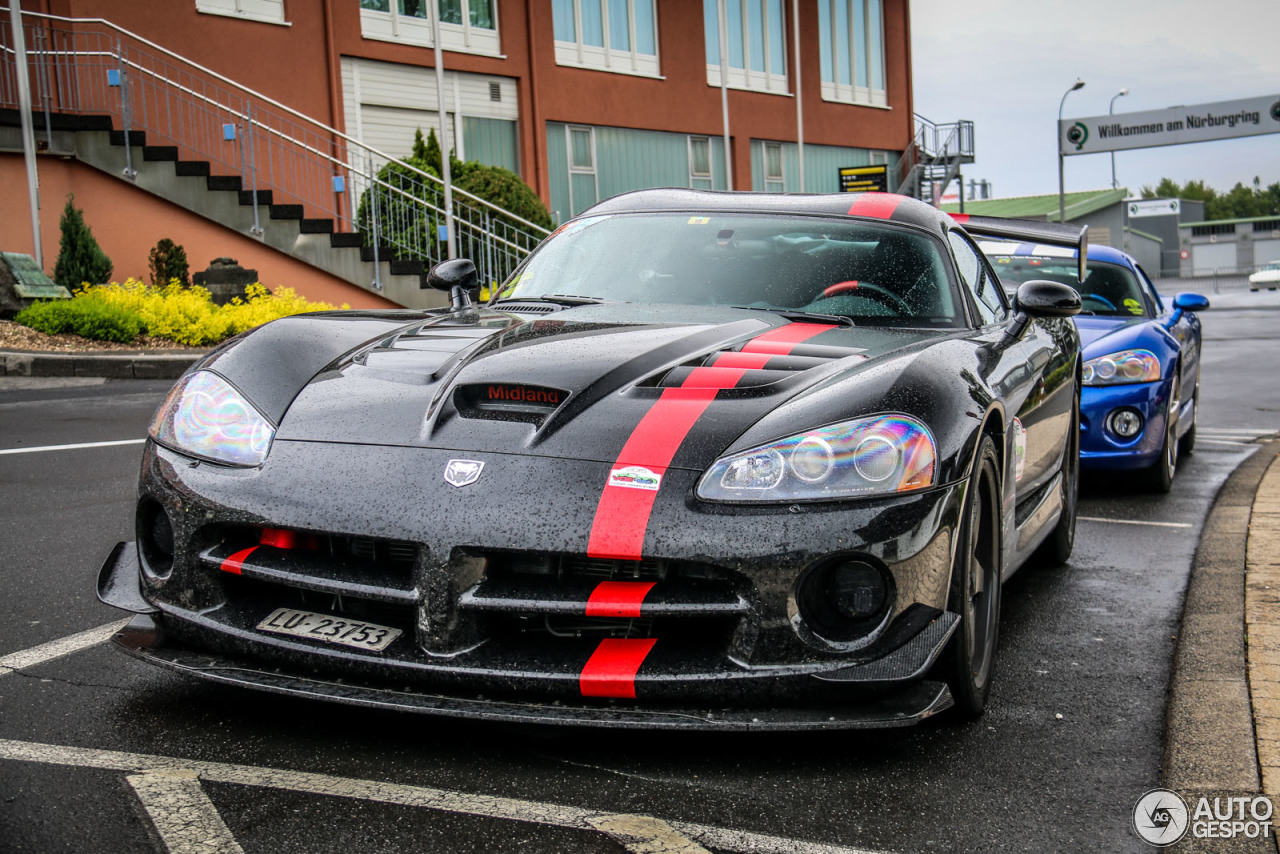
(857,591)
(1126,423)
(812,459)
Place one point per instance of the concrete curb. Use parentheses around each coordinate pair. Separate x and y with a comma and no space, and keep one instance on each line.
(123,364)
(1210,745)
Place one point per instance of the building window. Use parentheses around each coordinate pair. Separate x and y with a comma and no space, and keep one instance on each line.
(774,180)
(583,189)
(607,35)
(852,51)
(700,163)
(466,26)
(267,11)
(756,39)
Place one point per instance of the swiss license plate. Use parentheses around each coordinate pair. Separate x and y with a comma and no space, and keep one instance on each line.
(330,629)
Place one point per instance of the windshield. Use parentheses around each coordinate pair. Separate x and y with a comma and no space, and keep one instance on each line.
(874,274)
(1108,289)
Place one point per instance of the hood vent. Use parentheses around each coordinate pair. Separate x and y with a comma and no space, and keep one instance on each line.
(529,307)
(508,401)
(732,368)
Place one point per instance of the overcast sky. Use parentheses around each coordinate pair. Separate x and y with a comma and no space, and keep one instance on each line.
(1005,64)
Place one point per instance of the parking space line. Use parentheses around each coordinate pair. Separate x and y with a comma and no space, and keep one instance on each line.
(182,814)
(1234,443)
(510,809)
(43,448)
(58,648)
(1134,522)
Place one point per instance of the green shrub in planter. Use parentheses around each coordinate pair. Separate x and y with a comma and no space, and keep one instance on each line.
(87,317)
(80,258)
(500,187)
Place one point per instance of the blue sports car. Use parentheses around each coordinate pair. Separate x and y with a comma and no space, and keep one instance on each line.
(1142,357)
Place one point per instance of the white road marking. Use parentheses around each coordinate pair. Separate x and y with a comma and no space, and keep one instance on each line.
(1229,442)
(647,830)
(44,448)
(182,814)
(1134,522)
(58,648)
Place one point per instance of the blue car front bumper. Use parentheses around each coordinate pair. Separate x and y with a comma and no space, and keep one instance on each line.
(1100,448)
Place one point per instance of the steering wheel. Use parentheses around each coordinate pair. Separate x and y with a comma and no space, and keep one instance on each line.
(875,292)
(1108,303)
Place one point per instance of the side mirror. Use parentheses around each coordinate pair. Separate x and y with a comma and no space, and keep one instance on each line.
(458,278)
(1188,301)
(1042,298)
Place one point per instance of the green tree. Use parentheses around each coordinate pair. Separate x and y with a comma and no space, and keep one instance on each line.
(403,222)
(168,261)
(503,188)
(80,258)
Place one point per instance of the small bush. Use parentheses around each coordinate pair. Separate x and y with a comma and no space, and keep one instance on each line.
(503,188)
(86,317)
(80,258)
(168,263)
(121,312)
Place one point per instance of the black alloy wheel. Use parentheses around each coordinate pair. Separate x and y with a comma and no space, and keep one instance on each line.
(969,660)
(1187,444)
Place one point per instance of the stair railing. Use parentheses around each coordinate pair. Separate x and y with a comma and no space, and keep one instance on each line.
(90,66)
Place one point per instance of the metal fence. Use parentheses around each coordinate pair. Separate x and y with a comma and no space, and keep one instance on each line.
(91,67)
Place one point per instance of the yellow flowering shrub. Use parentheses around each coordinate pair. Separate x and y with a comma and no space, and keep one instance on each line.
(188,316)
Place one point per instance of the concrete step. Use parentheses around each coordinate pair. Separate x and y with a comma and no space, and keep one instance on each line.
(246,197)
(224,182)
(160,152)
(316,226)
(286,211)
(346,238)
(198,168)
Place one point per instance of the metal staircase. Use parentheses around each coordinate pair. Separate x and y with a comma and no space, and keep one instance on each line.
(88,74)
(934,158)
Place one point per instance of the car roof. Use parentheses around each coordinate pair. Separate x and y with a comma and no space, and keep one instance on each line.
(883,206)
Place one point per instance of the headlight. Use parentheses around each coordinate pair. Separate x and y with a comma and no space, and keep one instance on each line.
(206,417)
(1127,366)
(885,454)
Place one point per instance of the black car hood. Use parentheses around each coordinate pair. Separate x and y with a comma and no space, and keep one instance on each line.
(571,384)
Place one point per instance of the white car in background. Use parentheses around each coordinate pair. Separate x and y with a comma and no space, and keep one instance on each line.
(1268,277)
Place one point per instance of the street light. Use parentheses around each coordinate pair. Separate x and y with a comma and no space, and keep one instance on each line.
(1110,112)
(1062,195)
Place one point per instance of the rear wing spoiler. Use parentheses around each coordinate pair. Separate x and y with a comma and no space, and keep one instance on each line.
(1031,231)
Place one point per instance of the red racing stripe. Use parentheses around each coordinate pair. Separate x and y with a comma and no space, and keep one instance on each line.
(622,516)
(733,359)
(235,563)
(611,670)
(960,218)
(875,205)
(618,598)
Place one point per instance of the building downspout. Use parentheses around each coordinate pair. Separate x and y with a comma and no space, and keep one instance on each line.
(337,118)
(541,172)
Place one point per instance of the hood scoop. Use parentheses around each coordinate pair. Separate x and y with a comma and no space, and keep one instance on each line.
(734,368)
(508,401)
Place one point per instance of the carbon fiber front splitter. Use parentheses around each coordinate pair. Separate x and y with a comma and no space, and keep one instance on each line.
(904,706)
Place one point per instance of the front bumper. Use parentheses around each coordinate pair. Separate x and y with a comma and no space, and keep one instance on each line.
(1100,449)
(726,650)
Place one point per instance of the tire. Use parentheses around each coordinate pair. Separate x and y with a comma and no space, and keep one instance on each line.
(1187,444)
(1159,477)
(969,659)
(1056,550)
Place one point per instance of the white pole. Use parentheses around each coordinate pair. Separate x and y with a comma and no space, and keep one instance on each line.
(795,32)
(724,91)
(445,138)
(28,132)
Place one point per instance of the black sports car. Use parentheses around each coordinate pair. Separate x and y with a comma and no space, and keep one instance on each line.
(706,460)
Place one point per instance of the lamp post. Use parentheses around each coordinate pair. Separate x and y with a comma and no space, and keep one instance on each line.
(1110,112)
(1062,195)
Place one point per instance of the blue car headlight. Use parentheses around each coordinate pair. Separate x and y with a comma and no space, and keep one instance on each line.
(881,455)
(205,416)
(1122,368)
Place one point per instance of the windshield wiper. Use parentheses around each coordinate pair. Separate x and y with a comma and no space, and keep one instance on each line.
(802,316)
(558,299)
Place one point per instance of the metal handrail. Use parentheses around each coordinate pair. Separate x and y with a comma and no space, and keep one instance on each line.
(284,108)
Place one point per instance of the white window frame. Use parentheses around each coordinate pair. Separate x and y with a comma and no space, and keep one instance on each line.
(851,92)
(708,177)
(391,26)
(580,170)
(577,54)
(768,80)
(262,11)
(781,177)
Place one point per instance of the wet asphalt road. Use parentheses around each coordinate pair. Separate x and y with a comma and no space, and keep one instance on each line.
(1072,738)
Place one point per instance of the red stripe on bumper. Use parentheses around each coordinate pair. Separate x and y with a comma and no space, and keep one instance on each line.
(876,205)
(618,598)
(611,670)
(235,563)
